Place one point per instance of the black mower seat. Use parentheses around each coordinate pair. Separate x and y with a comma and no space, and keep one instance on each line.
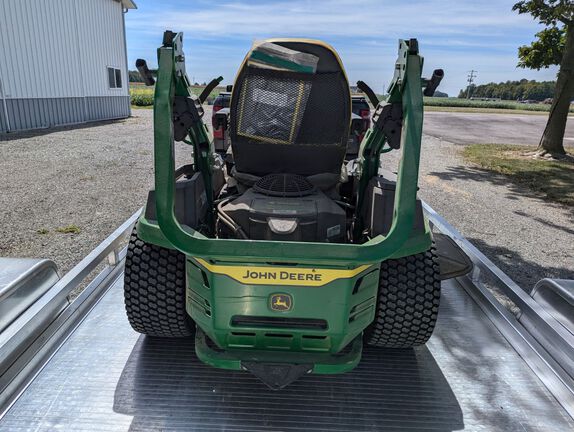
(283,121)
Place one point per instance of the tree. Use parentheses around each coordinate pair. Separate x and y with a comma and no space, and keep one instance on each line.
(554,46)
(134,76)
(513,90)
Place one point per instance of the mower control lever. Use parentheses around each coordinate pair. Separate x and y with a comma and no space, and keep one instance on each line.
(388,118)
(209,88)
(145,73)
(187,111)
(362,85)
(434,82)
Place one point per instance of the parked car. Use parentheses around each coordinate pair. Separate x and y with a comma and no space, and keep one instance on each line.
(360,123)
(362,108)
(218,122)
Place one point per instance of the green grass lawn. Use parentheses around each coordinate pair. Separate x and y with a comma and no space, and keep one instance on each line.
(142,107)
(553,179)
(432,108)
(502,105)
(466,105)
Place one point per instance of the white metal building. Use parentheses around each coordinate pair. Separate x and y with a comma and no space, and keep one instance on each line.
(62,62)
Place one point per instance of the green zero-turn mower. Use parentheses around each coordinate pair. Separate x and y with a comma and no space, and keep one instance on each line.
(296,257)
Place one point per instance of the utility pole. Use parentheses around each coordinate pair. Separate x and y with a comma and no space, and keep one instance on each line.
(471,76)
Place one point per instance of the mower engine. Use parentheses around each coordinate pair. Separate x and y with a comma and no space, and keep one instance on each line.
(284,207)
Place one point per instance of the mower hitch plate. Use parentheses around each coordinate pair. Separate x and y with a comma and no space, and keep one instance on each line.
(277,375)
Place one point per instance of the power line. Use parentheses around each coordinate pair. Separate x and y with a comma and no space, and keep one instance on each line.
(470,79)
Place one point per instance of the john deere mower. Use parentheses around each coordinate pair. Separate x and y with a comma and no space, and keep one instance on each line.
(290,258)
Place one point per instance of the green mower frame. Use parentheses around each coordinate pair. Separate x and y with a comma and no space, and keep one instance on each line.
(330,288)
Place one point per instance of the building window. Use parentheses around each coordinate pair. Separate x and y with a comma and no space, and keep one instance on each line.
(114,78)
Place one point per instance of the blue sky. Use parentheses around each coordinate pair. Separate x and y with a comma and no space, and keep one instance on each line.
(456,35)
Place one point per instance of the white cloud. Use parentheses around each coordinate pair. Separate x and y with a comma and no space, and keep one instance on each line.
(366,18)
(457,35)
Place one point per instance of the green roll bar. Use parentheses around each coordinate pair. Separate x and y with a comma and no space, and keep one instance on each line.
(406,88)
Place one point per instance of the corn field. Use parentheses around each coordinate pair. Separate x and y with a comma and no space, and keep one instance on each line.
(141,95)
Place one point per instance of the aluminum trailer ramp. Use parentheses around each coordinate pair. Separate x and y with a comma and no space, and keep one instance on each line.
(105,377)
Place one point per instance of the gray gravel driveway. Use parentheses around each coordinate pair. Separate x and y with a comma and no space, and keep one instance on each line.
(91,177)
(527,237)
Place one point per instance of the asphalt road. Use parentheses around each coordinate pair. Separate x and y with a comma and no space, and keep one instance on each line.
(479,128)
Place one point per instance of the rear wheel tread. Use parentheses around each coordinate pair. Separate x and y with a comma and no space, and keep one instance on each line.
(154,290)
(408,301)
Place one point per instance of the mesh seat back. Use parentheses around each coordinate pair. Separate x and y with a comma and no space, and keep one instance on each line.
(291,122)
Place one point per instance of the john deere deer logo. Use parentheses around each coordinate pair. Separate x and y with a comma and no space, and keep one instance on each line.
(281,302)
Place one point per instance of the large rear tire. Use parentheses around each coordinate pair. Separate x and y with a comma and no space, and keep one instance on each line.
(408,301)
(154,290)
